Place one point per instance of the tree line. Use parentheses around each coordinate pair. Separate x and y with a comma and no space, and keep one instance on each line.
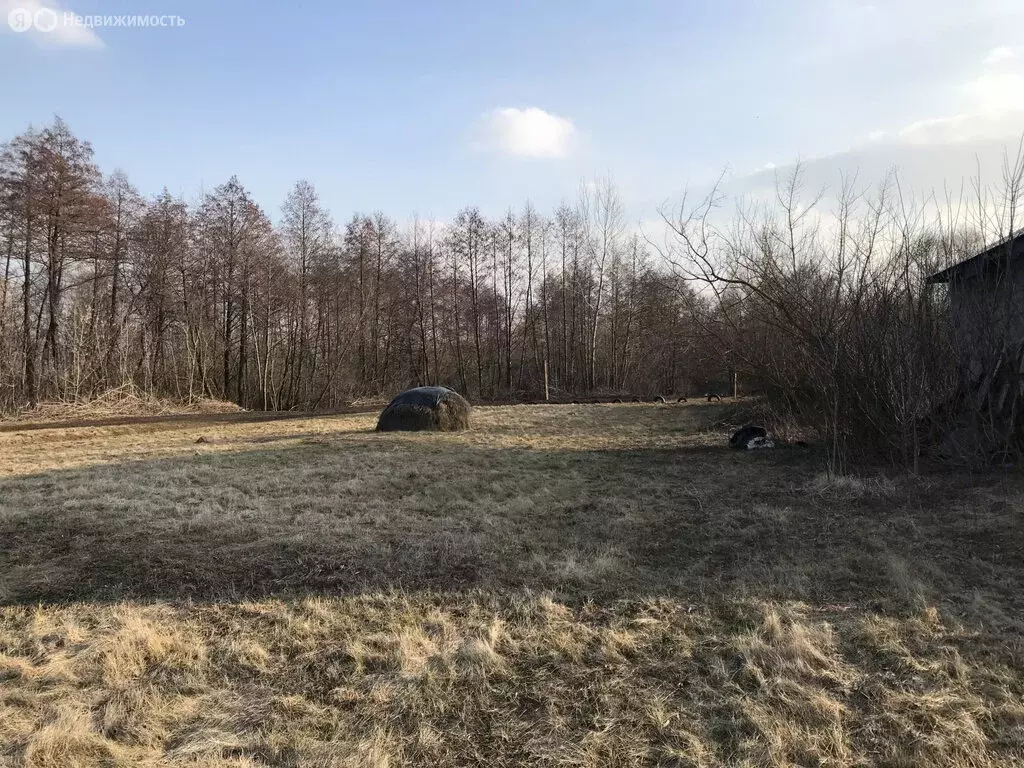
(827,313)
(219,298)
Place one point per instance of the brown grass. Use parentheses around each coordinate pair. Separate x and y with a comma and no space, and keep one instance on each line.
(121,401)
(561,585)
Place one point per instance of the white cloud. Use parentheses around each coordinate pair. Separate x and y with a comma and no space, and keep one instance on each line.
(52,27)
(938,130)
(995,100)
(992,107)
(529,132)
(924,168)
(996,91)
(975,126)
(1000,55)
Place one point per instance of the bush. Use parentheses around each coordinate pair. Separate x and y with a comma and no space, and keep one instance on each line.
(829,314)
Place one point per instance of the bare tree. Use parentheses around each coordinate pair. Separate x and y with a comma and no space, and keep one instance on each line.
(602,217)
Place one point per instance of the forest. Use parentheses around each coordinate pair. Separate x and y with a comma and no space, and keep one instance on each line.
(823,308)
(219,298)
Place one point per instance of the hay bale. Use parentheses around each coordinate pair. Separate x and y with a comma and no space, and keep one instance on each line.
(426,408)
(660,399)
(681,400)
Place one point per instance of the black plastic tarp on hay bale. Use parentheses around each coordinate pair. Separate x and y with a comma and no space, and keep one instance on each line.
(426,408)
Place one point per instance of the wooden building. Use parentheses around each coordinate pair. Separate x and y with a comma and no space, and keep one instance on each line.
(986,306)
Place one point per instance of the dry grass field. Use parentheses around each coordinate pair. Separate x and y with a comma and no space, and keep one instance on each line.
(562,585)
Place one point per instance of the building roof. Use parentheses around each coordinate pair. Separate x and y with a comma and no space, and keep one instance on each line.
(990,261)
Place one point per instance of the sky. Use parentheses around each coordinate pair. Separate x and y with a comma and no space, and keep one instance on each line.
(415,107)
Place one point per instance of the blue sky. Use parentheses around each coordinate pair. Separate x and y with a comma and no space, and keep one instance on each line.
(429,106)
